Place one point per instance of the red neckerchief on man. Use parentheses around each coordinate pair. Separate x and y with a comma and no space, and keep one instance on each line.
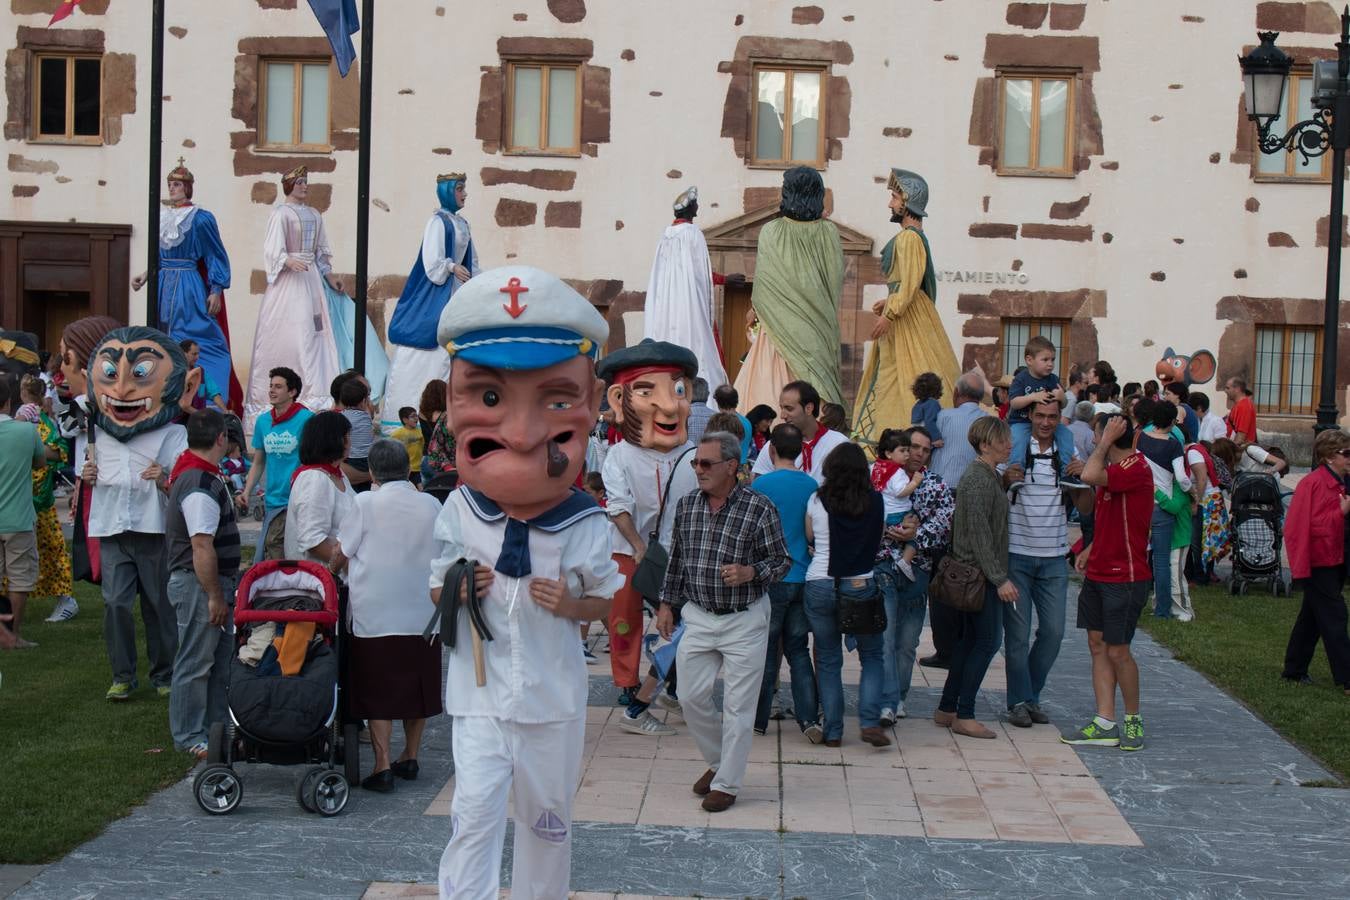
(289,413)
(333,469)
(808,446)
(188,461)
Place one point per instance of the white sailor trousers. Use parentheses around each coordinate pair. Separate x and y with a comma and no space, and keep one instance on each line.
(543,765)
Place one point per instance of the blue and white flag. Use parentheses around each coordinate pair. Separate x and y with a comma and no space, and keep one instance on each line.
(339,21)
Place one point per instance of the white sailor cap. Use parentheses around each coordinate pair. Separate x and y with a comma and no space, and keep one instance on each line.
(520,317)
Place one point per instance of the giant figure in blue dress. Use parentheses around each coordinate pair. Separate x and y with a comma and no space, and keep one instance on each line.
(194,272)
(446,260)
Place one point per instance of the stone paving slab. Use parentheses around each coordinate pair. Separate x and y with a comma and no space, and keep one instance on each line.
(1213,802)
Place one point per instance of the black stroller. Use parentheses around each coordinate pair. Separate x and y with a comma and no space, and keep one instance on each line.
(1258,537)
(279,719)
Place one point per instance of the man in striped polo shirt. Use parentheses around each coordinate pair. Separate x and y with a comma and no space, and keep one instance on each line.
(1037,548)
(203,554)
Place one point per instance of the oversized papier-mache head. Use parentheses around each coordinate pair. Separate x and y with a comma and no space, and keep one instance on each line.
(649,386)
(136,377)
(522,388)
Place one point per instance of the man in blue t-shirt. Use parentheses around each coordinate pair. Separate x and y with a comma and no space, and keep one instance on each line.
(788,489)
(276,447)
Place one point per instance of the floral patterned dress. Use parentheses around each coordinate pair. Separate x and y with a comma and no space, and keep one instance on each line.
(439,457)
(54,578)
(1215,537)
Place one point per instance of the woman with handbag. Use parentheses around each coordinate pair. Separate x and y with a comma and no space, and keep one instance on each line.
(979,542)
(844,520)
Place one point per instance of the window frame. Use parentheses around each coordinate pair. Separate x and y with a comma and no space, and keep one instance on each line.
(788,67)
(1071,78)
(1035,323)
(1281,408)
(545,66)
(35,135)
(1288,176)
(264,143)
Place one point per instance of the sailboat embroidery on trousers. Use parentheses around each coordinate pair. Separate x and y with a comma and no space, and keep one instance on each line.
(550,827)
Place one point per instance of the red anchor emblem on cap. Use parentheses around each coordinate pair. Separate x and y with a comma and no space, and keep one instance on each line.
(515,289)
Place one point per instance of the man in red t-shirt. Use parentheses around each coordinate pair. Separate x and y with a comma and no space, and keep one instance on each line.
(1115,588)
(1241,416)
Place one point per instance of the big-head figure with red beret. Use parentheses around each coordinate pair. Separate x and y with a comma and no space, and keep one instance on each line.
(649,387)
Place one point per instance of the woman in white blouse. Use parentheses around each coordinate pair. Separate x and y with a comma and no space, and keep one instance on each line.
(321,496)
(387,542)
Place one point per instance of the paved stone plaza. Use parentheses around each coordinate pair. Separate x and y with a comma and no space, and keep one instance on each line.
(1212,807)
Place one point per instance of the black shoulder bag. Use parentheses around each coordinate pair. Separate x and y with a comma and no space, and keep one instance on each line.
(651,572)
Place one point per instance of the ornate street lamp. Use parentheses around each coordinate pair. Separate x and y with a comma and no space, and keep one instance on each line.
(1264,72)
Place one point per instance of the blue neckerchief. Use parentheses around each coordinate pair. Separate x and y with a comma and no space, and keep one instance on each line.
(514,559)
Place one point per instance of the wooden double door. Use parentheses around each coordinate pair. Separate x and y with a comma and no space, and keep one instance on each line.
(52,273)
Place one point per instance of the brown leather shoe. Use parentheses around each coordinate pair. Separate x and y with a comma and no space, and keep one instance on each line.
(719,801)
(971,728)
(874,736)
(832,742)
(704,784)
(943,719)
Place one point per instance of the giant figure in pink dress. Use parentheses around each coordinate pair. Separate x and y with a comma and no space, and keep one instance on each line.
(295,328)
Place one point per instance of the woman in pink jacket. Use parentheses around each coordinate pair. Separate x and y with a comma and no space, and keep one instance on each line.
(1315,538)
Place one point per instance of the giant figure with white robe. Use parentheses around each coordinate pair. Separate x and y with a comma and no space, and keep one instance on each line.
(678,308)
(446,260)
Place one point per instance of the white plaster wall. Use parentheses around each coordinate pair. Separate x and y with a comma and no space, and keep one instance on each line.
(1165,186)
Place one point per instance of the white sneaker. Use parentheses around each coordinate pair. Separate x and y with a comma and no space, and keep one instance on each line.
(814,733)
(66,608)
(900,711)
(887,718)
(646,723)
(667,702)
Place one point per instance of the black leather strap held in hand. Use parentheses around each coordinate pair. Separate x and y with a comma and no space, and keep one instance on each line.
(459,577)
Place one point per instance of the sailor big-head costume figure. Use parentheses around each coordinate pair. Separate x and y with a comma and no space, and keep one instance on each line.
(522,396)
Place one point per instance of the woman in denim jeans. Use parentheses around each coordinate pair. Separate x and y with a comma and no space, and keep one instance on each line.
(844,521)
(979,538)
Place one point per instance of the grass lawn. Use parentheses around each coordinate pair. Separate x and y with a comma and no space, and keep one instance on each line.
(1238,643)
(72,761)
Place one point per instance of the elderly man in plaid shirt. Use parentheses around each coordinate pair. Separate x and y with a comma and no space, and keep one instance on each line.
(726,550)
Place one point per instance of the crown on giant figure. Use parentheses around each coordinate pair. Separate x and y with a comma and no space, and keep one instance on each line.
(451,176)
(179,172)
(297,173)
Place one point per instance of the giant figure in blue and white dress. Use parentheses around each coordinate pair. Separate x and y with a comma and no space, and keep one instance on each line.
(194,272)
(447,260)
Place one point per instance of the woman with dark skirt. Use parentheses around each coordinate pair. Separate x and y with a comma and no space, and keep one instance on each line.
(386,543)
(1315,537)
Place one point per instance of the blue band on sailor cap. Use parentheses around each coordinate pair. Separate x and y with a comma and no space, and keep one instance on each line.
(520,348)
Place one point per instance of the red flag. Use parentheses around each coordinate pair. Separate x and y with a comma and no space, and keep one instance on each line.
(66,8)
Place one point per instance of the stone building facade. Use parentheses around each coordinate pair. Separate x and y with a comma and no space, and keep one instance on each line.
(1092,175)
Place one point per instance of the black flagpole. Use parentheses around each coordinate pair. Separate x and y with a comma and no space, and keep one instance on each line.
(363,181)
(156,130)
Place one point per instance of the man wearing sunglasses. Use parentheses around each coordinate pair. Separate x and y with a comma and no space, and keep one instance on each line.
(727,549)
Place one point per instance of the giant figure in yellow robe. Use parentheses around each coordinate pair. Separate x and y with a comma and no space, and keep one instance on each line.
(799,273)
(908,338)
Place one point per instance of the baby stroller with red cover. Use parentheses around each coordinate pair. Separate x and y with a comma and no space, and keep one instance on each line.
(283,719)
